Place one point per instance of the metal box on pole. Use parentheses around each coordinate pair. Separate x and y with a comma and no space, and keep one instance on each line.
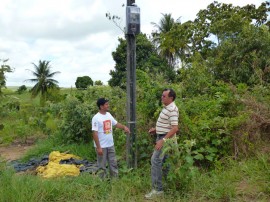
(133,20)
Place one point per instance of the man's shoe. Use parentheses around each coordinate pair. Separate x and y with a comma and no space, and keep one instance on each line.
(153,194)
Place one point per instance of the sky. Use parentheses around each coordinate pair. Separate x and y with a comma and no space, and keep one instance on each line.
(75,35)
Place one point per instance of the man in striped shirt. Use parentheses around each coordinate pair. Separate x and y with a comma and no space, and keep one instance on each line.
(166,127)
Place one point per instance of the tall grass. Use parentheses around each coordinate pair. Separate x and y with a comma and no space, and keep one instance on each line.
(53,143)
(85,187)
(247,180)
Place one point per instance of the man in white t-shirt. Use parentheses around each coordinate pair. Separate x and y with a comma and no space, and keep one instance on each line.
(102,127)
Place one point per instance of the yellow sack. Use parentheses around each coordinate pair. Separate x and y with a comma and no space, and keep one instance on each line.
(54,169)
(56,156)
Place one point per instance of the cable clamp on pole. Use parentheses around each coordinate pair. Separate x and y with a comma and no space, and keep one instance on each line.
(131,121)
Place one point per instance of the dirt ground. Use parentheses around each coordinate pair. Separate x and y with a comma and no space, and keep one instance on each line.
(13,152)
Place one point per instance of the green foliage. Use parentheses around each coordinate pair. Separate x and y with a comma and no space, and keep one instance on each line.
(43,79)
(54,95)
(164,27)
(262,94)
(230,38)
(17,126)
(11,106)
(98,83)
(234,181)
(147,60)
(83,82)
(75,120)
(210,119)
(2,126)
(119,74)
(21,89)
(196,79)
(4,69)
(243,59)
(180,162)
(177,43)
(23,119)
(226,21)
(148,96)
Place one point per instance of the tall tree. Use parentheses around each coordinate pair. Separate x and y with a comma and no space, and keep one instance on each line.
(4,69)
(146,57)
(165,25)
(225,20)
(234,41)
(43,79)
(243,59)
(176,41)
(83,82)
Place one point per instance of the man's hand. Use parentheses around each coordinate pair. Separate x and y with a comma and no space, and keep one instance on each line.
(99,151)
(152,131)
(126,129)
(159,144)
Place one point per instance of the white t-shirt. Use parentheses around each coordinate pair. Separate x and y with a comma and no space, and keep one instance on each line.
(103,123)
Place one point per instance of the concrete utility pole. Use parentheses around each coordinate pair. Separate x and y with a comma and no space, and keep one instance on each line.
(131,92)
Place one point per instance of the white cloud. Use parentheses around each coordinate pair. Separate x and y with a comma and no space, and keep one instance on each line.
(75,34)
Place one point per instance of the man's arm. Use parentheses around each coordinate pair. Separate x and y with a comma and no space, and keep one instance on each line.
(171,132)
(126,129)
(98,147)
(159,143)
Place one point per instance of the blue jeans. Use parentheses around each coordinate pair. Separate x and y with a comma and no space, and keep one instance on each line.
(110,157)
(157,161)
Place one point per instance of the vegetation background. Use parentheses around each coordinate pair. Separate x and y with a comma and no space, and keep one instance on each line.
(218,65)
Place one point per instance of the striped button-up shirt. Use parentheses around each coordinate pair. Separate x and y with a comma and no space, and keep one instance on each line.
(168,117)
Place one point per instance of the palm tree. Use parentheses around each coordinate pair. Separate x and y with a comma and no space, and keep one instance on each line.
(43,79)
(165,25)
(4,68)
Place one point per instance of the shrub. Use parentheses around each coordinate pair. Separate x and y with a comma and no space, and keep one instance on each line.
(21,89)
(76,121)
(180,164)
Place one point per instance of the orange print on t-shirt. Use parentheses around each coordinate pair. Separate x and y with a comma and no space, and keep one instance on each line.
(107,126)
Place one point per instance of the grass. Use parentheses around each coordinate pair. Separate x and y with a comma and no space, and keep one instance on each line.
(46,146)
(85,187)
(247,180)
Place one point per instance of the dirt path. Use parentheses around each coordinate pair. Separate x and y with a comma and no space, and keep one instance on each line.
(13,152)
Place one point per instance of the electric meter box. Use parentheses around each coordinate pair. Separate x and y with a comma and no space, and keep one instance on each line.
(133,20)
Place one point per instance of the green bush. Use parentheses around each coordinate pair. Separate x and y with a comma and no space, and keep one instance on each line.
(210,119)
(180,164)
(21,89)
(75,121)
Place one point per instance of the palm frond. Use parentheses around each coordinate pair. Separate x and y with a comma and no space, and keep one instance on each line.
(43,78)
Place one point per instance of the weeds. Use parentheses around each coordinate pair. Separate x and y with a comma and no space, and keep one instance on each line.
(246,180)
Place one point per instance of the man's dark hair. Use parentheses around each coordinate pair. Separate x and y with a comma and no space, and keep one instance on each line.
(101,101)
(171,93)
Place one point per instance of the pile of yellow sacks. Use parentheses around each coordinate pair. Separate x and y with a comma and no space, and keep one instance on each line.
(54,169)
